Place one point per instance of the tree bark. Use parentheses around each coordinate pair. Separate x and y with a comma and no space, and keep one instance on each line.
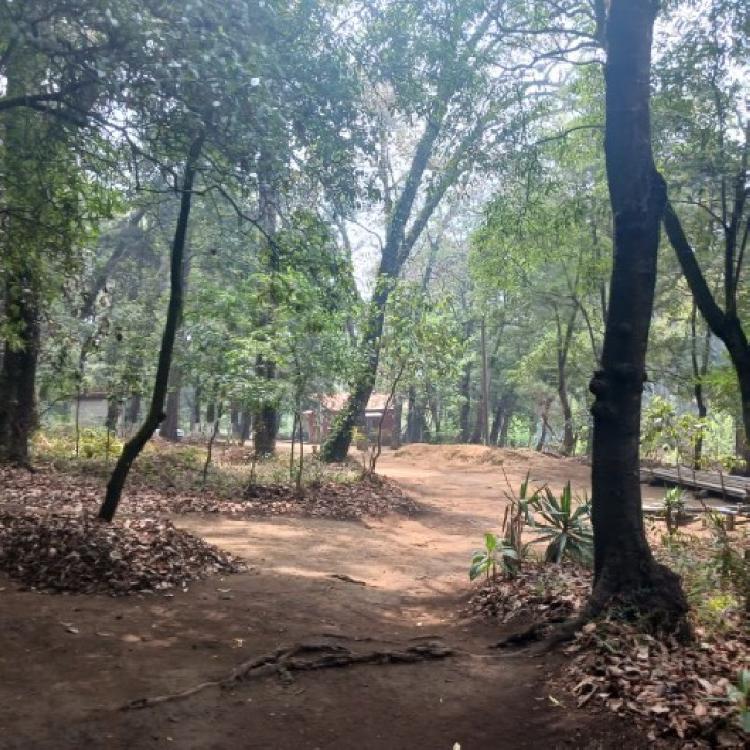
(700,369)
(246,423)
(155,415)
(544,416)
(564,339)
(497,419)
(625,571)
(266,417)
(133,413)
(396,433)
(502,439)
(18,418)
(171,422)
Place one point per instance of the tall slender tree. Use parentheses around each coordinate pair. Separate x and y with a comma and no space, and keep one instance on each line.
(624,568)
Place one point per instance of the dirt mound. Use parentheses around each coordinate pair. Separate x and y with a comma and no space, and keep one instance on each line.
(467,454)
(83,555)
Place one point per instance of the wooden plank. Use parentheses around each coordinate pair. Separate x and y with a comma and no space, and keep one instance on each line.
(729,486)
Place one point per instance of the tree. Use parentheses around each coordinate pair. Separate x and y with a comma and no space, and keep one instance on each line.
(444,64)
(155,415)
(707,147)
(624,568)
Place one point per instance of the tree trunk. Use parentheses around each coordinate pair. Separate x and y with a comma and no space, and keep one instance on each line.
(399,241)
(742,368)
(234,419)
(502,440)
(545,425)
(484,409)
(210,412)
(569,437)
(155,415)
(18,418)
(266,417)
(133,413)
(625,571)
(265,427)
(465,410)
(113,414)
(564,340)
(476,434)
(246,422)
(196,416)
(25,195)
(396,433)
(699,373)
(497,419)
(171,422)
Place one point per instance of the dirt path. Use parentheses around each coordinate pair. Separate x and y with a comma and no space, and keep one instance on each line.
(399,579)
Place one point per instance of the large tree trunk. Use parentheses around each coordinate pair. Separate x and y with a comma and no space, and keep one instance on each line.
(625,571)
(155,415)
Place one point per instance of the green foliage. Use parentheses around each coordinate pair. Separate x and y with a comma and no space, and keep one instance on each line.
(496,553)
(739,694)
(93,443)
(674,506)
(563,525)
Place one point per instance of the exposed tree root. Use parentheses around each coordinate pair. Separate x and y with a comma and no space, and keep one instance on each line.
(303,657)
(659,607)
(548,634)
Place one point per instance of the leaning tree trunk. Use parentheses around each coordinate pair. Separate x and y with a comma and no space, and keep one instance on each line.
(625,571)
(155,415)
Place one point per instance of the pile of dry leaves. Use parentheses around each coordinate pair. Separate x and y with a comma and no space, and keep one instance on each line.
(372,496)
(543,593)
(669,689)
(82,555)
(49,490)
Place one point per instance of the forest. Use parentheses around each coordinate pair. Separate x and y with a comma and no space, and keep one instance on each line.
(374,374)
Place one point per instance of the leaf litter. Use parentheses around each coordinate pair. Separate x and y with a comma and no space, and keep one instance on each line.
(82,555)
(674,692)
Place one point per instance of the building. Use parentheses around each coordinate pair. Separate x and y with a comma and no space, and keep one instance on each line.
(318,420)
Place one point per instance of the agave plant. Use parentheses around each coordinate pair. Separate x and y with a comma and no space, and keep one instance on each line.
(565,525)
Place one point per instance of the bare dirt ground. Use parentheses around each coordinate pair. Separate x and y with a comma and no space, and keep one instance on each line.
(67,663)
